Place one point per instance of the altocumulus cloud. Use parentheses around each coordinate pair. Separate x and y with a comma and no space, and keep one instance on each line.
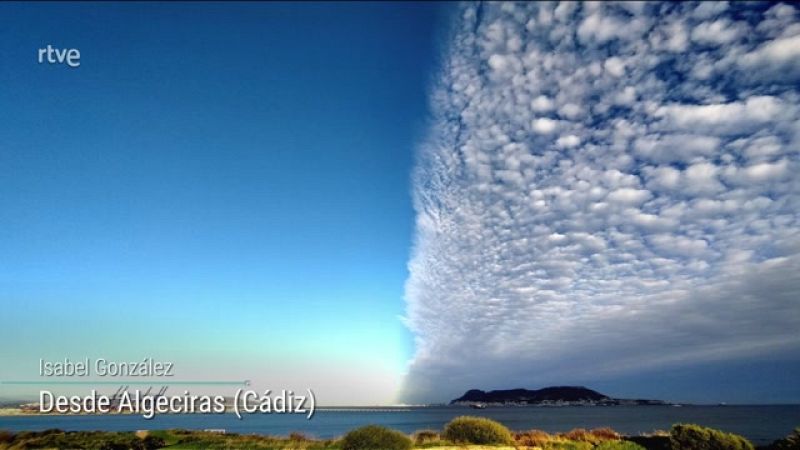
(606,189)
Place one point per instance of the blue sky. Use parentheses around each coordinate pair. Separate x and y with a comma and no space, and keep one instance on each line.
(214,183)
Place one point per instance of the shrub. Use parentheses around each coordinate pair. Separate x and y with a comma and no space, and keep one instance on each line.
(6,437)
(153,442)
(605,434)
(91,440)
(423,437)
(375,437)
(477,430)
(533,438)
(695,437)
(179,431)
(297,436)
(567,445)
(546,441)
(579,435)
(619,445)
(652,441)
(790,442)
(595,436)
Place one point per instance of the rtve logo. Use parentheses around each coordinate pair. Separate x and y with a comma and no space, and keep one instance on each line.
(68,56)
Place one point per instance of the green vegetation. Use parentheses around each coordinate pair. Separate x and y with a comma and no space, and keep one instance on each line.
(533,438)
(172,439)
(375,437)
(695,437)
(79,439)
(619,445)
(463,433)
(577,439)
(653,441)
(427,438)
(477,430)
(593,437)
(207,440)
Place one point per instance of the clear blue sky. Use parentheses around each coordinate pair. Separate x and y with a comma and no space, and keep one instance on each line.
(223,185)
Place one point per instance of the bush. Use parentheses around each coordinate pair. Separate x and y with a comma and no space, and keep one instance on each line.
(297,436)
(546,441)
(619,445)
(533,438)
(578,438)
(477,430)
(567,445)
(6,437)
(695,437)
(153,442)
(423,437)
(579,435)
(595,436)
(375,437)
(652,441)
(605,434)
(90,440)
(790,442)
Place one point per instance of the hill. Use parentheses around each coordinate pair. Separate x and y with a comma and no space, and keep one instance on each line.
(554,395)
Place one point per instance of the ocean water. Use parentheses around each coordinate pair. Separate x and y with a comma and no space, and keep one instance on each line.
(761,424)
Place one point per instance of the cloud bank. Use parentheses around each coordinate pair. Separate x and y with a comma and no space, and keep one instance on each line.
(606,188)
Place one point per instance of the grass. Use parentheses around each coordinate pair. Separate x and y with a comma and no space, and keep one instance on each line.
(689,437)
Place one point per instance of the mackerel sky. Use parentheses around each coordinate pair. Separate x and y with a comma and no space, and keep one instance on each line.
(608,195)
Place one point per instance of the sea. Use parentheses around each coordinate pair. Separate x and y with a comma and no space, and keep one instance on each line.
(761,424)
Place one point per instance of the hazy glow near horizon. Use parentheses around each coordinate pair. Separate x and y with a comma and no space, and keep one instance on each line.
(609,189)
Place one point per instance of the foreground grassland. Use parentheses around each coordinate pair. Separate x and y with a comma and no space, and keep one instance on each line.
(468,434)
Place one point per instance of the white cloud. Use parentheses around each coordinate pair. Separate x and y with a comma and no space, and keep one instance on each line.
(675,147)
(702,178)
(677,38)
(733,118)
(570,111)
(568,141)
(777,59)
(544,125)
(766,171)
(718,32)
(706,10)
(677,245)
(626,97)
(665,177)
(759,172)
(600,28)
(614,66)
(763,147)
(542,104)
(629,196)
